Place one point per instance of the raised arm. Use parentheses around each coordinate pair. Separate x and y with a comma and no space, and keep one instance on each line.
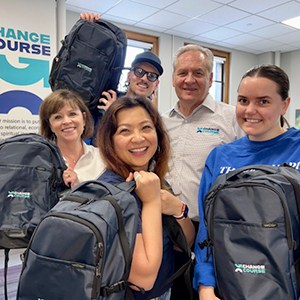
(148,250)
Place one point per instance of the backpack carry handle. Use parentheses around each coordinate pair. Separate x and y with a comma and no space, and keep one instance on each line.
(125,186)
(244,172)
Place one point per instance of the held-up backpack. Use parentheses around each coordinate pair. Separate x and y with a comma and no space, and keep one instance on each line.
(31,169)
(83,247)
(90,60)
(252,217)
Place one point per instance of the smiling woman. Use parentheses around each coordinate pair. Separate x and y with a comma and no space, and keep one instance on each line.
(135,146)
(263,99)
(65,119)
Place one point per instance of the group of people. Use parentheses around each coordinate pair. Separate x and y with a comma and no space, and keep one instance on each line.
(174,158)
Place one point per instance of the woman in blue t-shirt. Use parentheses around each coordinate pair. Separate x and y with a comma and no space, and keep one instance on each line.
(262,101)
(135,146)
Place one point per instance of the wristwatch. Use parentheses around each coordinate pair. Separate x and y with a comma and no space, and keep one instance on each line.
(184,212)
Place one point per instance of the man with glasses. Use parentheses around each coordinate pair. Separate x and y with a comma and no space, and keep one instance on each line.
(142,79)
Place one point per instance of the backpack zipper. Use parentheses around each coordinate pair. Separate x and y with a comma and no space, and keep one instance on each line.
(288,227)
(100,247)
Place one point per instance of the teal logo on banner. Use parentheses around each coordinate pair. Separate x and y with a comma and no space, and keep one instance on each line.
(34,71)
(32,52)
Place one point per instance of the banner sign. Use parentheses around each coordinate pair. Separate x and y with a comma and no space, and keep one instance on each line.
(27,47)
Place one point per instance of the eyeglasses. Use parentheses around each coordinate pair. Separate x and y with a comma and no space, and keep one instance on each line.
(139,72)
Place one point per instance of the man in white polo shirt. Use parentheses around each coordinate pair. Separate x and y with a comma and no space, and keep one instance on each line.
(196,124)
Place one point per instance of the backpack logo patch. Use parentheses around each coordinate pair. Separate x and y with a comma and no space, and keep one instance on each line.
(84,67)
(14,194)
(246,268)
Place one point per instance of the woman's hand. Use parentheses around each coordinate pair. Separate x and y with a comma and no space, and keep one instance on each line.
(147,186)
(207,293)
(70,178)
(110,98)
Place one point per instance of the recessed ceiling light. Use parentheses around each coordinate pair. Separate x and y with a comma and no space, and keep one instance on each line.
(294,22)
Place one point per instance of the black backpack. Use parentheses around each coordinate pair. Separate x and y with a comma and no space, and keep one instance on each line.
(83,247)
(31,181)
(90,60)
(252,217)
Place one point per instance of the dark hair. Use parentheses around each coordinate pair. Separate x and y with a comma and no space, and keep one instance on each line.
(275,74)
(108,127)
(57,100)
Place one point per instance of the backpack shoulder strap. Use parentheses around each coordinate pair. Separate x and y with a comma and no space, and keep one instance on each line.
(177,236)
(6,259)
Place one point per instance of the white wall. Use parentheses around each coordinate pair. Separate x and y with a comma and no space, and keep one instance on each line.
(290,62)
(240,62)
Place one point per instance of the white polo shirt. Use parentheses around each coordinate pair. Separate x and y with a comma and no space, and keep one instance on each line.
(192,138)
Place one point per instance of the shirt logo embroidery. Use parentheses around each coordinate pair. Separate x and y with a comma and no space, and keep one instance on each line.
(208,130)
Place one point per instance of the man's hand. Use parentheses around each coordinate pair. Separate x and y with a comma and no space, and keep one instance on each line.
(89,16)
(110,98)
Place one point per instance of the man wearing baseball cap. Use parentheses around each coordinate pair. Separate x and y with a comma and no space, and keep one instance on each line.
(142,79)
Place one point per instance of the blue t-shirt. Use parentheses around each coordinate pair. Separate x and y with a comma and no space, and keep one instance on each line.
(284,148)
(167,264)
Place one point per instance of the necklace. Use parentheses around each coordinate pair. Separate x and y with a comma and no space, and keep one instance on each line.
(72,160)
(74,157)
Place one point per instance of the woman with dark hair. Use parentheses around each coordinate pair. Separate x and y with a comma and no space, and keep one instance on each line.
(65,119)
(136,146)
(263,99)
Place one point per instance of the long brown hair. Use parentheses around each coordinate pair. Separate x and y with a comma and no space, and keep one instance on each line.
(109,125)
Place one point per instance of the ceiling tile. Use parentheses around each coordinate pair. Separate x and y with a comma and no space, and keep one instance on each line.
(194,27)
(189,9)
(264,44)
(280,13)
(225,23)
(242,39)
(165,19)
(259,6)
(273,30)
(155,3)
(221,33)
(91,5)
(289,38)
(224,15)
(179,33)
(131,10)
(249,24)
(151,27)
(284,48)
(223,1)
(118,19)
(202,40)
